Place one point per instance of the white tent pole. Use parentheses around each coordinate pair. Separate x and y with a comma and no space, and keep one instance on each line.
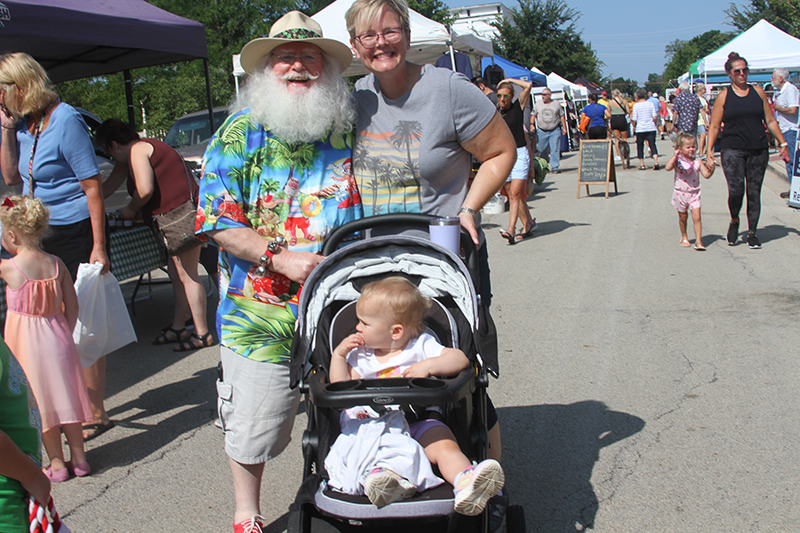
(452,52)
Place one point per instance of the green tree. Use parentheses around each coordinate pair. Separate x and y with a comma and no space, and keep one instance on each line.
(163,93)
(655,83)
(433,9)
(542,34)
(626,85)
(784,14)
(681,54)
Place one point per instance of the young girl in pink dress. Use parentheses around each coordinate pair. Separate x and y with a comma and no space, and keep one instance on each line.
(686,196)
(39,333)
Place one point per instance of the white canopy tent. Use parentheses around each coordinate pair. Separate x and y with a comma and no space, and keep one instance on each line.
(429,39)
(557,83)
(764,46)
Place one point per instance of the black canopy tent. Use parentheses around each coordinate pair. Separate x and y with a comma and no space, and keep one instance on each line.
(75,39)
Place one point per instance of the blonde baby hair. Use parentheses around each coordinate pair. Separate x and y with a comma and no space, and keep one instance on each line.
(403,302)
(682,138)
(27,216)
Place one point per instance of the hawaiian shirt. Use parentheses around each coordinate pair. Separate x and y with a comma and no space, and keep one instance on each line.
(687,106)
(301,191)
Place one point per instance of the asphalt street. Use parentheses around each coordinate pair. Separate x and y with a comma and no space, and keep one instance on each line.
(645,387)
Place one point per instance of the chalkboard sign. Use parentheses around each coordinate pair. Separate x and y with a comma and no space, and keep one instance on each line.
(596,165)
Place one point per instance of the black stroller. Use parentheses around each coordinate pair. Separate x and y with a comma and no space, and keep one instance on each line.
(326,314)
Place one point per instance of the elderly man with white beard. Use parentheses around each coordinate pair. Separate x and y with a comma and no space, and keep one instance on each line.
(277,180)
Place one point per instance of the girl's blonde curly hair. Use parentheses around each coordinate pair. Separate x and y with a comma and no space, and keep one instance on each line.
(28,217)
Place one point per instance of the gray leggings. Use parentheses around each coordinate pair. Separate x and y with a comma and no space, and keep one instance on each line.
(744,169)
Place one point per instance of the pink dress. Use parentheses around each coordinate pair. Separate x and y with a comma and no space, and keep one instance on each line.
(38,335)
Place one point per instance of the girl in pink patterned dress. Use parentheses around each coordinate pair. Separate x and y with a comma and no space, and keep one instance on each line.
(686,195)
(39,333)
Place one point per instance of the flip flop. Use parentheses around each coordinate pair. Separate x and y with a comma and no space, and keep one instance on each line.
(510,237)
(699,247)
(99,428)
(685,243)
(642,168)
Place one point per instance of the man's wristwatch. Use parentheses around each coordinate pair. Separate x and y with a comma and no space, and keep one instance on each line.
(265,260)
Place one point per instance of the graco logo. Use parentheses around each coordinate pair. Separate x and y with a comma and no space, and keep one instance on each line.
(383,400)
(5,15)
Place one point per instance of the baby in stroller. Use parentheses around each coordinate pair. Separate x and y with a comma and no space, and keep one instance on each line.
(391,342)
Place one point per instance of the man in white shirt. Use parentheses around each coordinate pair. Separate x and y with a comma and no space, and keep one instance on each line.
(786,103)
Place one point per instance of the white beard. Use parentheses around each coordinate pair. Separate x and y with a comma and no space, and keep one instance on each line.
(305,115)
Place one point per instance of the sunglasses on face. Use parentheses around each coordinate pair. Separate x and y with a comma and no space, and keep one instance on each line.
(504,96)
(739,71)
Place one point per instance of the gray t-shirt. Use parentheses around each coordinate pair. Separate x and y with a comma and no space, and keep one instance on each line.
(408,156)
(548,116)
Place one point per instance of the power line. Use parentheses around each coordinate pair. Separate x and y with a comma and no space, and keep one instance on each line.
(655,32)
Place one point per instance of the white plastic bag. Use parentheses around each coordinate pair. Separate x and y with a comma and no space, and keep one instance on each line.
(103,322)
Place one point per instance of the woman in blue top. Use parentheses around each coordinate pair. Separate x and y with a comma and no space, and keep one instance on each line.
(598,114)
(49,139)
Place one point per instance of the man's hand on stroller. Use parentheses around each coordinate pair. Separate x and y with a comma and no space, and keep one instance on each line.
(296,266)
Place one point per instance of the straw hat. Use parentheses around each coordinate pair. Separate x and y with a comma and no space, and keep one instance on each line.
(291,28)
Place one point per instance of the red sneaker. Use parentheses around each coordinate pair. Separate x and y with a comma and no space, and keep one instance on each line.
(251,525)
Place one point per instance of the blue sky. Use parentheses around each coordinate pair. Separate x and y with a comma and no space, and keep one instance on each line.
(630,37)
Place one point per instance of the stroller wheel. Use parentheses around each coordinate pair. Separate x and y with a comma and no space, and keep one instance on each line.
(515,519)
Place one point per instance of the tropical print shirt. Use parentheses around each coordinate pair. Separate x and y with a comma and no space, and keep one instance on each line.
(301,191)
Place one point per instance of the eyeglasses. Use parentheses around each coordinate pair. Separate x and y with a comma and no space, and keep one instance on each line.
(390,35)
(504,96)
(739,71)
(291,59)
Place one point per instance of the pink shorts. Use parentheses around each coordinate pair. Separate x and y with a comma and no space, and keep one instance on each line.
(683,200)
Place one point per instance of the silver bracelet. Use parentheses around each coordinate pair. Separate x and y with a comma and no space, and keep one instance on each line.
(468,210)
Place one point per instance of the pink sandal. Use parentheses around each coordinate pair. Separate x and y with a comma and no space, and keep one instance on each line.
(80,470)
(57,476)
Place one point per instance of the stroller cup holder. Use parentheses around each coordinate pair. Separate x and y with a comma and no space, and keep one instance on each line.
(391,391)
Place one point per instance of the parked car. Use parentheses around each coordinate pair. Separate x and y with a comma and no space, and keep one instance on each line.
(105,163)
(190,135)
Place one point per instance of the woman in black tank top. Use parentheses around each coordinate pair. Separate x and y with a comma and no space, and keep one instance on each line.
(516,184)
(744,111)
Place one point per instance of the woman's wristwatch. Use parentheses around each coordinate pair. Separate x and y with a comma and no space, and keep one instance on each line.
(265,260)
(784,144)
(469,210)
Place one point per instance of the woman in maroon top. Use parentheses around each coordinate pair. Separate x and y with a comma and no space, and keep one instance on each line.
(157,182)
(744,110)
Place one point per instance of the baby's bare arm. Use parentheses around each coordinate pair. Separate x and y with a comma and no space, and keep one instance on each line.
(340,370)
(450,362)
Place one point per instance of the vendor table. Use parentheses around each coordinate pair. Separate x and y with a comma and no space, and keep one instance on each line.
(135,252)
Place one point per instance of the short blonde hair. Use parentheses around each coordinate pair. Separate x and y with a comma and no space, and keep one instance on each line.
(683,137)
(28,217)
(28,88)
(402,302)
(363,12)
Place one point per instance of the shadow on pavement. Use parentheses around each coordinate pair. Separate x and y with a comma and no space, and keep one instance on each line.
(774,232)
(193,403)
(550,452)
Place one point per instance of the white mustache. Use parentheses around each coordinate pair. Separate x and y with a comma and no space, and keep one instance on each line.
(299,76)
